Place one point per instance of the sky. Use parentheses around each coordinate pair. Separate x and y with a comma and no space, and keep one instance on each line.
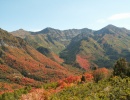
(35,15)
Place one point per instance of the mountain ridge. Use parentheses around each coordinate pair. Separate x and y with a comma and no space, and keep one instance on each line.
(97,46)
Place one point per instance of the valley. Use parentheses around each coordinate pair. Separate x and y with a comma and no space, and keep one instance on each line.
(51,63)
(101,48)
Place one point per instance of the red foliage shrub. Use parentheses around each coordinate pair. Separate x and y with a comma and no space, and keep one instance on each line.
(68,81)
(57,58)
(4,68)
(88,76)
(72,79)
(7,87)
(84,63)
(100,74)
(30,62)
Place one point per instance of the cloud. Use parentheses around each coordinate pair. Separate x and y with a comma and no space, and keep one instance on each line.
(119,16)
(114,17)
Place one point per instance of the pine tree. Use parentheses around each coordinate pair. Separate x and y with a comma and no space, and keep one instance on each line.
(120,68)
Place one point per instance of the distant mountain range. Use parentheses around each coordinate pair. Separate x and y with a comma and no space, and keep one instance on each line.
(84,48)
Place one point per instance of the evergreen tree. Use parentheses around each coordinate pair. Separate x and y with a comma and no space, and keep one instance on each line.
(120,68)
(83,78)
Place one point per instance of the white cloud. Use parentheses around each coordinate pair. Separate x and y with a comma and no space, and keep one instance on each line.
(119,16)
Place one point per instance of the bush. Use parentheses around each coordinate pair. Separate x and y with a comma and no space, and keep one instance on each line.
(101,73)
(50,85)
(121,68)
(114,88)
(15,95)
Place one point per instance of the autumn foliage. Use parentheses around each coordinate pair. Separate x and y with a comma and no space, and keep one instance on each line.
(69,81)
(6,87)
(33,64)
(84,63)
(100,74)
(88,76)
(57,58)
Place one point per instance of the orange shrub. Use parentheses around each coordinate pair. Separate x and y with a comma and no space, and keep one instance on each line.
(100,74)
(88,76)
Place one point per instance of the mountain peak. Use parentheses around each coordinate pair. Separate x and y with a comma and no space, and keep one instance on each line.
(110,26)
(111,29)
(21,29)
(20,33)
(47,30)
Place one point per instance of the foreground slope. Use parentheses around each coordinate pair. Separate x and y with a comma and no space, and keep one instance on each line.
(112,89)
(19,60)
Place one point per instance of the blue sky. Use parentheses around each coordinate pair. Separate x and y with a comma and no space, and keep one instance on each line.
(35,15)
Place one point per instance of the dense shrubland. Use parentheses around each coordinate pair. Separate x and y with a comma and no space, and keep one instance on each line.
(99,84)
(16,94)
(107,85)
(114,88)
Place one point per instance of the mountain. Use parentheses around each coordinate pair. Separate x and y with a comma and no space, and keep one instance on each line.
(31,61)
(84,48)
(19,62)
(101,48)
(21,33)
(53,40)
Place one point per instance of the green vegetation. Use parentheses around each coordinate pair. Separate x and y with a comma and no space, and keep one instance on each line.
(122,68)
(104,87)
(111,89)
(15,95)
(50,85)
(101,48)
(22,64)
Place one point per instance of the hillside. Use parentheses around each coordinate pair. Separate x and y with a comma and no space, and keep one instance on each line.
(21,33)
(49,39)
(99,84)
(100,49)
(95,48)
(112,89)
(22,64)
